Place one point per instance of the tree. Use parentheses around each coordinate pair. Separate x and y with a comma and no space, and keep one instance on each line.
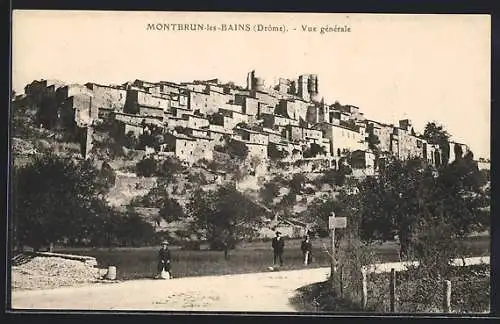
(436,134)
(268,192)
(55,198)
(234,148)
(130,141)
(146,167)
(373,141)
(274,153)
(170,167)
(237,149)
(106,178)
(223,214)
(408,199)
(108,147)
(170,209)
(297,183)
(314,150)
(318,213)
(131,230)
(216,119)
(152,137)
(334,177)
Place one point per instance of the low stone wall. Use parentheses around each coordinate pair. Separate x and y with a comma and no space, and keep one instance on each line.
(88,260)
(403,266)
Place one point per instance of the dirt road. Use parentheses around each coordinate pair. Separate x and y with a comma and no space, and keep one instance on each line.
(266,292)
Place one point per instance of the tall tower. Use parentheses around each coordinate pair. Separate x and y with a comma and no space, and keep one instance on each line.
(303,87)
(250,80)
(312,87)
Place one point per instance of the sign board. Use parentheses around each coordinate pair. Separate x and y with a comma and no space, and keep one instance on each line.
(337,222)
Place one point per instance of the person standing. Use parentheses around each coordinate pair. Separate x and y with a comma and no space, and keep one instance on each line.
(278,244)
(163,259)
(306,248)
(225,246)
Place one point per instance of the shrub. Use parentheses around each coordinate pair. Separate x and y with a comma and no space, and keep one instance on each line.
(146,167)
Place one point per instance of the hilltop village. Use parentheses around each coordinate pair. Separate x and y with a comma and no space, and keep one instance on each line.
(283,147)
(288,121)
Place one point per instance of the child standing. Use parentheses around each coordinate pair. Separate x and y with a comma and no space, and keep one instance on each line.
(164,259)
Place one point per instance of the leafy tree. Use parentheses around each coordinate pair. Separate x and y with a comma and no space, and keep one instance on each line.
(197,178)
(436,134)
(274,153)
(130,141)
(297,183)
(268,192)
(223,214)
(216,119)
(131,230)
(170,167)
(408,199)
(152,137)
(171,210)
(237,149)
(320,210)
(146,167)
(181,130)
(373,141)
(108,147)
(337,177)
(55,198)
(106,178)
(314,150)
(234,148)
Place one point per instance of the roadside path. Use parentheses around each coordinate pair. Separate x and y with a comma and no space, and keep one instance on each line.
(256,292)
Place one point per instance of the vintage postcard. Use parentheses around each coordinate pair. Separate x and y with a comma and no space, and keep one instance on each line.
(250,162)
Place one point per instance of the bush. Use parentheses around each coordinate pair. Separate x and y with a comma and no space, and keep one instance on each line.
(352,258)
(146,167)
(417,292)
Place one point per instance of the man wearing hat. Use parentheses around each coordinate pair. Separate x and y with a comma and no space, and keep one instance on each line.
(278,244)
(164,258)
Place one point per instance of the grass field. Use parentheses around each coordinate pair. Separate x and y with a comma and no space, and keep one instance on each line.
(137,263)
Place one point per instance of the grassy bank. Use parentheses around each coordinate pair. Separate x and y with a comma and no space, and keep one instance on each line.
(136,263)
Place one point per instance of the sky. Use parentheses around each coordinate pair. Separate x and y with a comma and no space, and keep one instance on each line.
(421,67)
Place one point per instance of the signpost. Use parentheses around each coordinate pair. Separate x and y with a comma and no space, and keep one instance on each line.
(333,223)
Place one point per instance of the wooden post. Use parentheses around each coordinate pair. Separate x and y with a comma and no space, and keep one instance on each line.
(332,265)
(447,296)
(392,290)
(341,281)
(333,223)
(364,289)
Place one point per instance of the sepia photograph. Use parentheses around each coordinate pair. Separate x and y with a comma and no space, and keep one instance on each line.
(311,163)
